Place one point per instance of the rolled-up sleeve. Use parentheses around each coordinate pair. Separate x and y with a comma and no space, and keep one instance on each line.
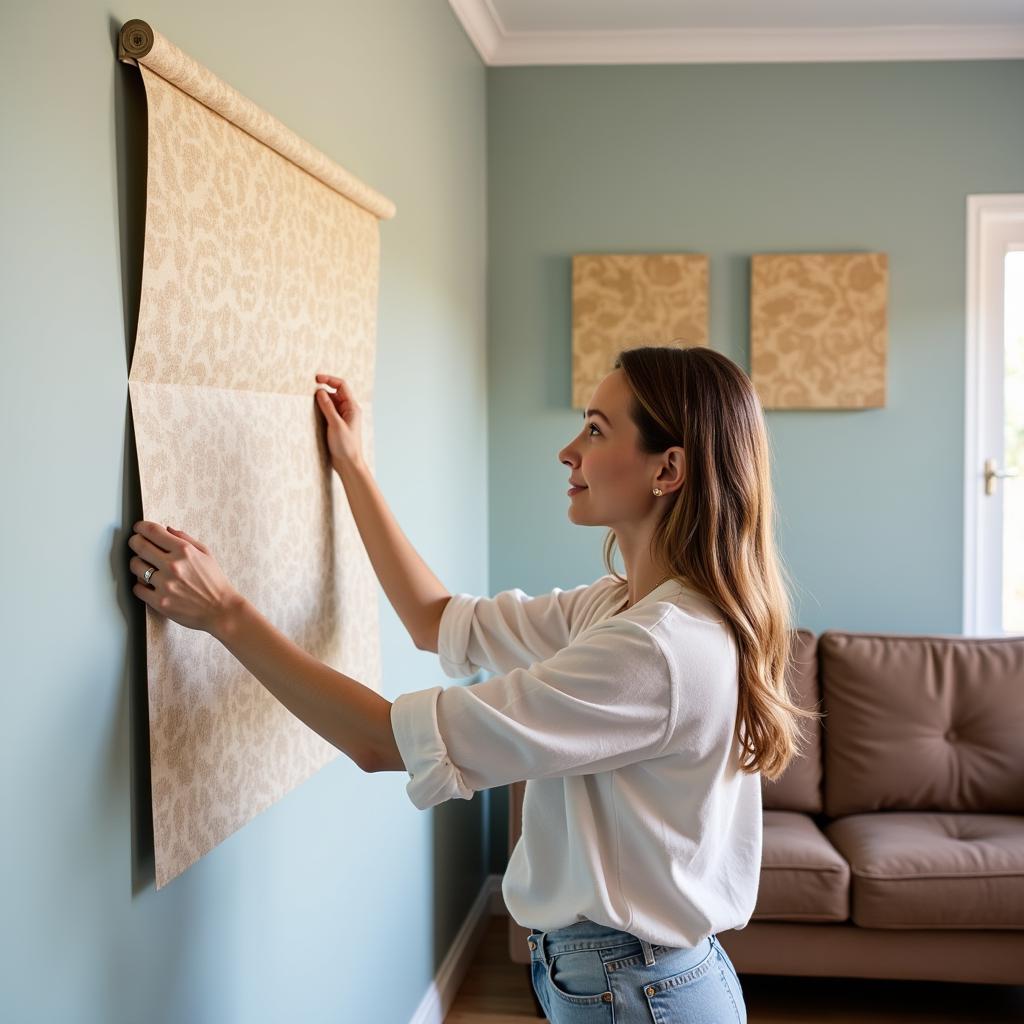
(507,631)
(606,700)
(432,776)
(453,636)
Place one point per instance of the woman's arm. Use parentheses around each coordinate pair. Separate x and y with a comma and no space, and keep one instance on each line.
(356,719)
(179,577)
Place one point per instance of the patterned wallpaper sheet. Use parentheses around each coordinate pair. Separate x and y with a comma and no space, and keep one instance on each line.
(256,276)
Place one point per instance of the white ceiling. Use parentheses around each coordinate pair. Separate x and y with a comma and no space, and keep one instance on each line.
(713,31)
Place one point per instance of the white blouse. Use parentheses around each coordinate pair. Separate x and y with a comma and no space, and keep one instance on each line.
(635,814)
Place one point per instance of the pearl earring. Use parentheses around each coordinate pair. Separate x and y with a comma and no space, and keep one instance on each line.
(657,490)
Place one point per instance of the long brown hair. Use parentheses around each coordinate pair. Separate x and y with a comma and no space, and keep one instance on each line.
(718,536)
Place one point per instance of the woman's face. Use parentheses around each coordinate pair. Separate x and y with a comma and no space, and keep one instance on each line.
(605,458)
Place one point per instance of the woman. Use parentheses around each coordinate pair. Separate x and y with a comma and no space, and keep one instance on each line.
(642,710)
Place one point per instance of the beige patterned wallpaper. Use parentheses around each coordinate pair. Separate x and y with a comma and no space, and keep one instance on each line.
(256,276)
(622,300)
(819,330)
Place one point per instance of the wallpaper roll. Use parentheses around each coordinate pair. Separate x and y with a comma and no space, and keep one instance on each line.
(260,270)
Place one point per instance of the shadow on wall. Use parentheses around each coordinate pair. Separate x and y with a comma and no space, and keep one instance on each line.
(130,129)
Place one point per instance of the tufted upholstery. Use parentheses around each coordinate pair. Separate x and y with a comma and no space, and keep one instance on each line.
(921,723)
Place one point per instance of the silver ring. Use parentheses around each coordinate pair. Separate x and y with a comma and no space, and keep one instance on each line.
(149,573)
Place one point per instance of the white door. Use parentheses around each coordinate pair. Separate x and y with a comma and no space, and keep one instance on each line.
(994,427)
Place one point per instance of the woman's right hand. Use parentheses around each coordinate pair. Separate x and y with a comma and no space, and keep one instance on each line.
(344,421)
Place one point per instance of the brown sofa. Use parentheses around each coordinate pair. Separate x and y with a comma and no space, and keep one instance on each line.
(894,845)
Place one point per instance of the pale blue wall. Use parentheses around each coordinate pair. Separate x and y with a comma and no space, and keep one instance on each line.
(337,903)
(732,160)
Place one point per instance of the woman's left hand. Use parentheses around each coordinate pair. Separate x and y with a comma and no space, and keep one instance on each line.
(187,584)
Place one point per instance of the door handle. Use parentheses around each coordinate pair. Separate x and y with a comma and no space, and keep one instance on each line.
(992,474)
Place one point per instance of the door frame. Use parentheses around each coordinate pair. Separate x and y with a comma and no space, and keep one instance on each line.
(995,224)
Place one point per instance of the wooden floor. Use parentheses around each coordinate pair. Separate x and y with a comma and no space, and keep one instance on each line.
(497,991)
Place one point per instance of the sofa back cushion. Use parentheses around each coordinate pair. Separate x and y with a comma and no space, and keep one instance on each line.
(922,722)
(798,788)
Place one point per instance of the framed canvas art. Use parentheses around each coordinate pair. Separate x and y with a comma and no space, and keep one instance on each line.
(622,300)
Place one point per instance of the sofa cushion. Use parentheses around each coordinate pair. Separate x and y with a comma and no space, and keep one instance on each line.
(798,788)
(920,869)
(803,878)
(922,723)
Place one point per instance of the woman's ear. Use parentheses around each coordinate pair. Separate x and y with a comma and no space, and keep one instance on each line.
(673,469)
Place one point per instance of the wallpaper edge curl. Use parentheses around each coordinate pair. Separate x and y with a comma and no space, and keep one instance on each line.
(175,66)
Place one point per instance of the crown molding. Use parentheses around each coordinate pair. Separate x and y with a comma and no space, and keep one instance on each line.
(482,25)
(498,47)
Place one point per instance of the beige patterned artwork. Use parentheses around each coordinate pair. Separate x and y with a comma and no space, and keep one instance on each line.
(623,300)
(819,330)
(259,271)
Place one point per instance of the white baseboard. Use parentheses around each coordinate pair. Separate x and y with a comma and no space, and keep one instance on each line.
(440,996)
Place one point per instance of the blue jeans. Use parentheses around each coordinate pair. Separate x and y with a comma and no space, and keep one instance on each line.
(586,973)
